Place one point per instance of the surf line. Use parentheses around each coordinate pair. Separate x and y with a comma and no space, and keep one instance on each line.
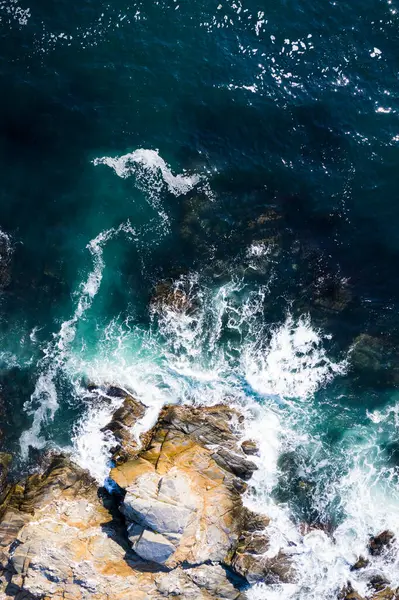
(43,402)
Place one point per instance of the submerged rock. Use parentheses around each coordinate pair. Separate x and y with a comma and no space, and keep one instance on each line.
(367,353)
(169,295)
(332,296)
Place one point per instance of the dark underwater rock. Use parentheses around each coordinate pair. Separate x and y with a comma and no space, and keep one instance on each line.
(173,296)
(367,353)
(332,296)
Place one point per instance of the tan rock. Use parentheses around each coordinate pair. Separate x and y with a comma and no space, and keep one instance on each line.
(186,486)
(60,541)
(348,593)
(386,594)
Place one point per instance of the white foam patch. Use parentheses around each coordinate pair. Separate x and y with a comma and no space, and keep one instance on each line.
(92,445)
(293,364)
(151,171)
(12,12)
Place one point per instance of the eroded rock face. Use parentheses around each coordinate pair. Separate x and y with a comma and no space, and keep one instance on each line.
(60,542)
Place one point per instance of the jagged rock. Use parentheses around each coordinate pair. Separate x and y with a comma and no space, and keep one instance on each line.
(211,579)
(386,594)
(236,463)
(178,487)
(63,543)
(380,542)
(121,427)
(378,583)
(182,505)
(348,593)
(361,563)
(250,447)
(257,567)
(186,485)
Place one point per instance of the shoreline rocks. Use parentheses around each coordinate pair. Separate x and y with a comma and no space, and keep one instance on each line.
(176,527)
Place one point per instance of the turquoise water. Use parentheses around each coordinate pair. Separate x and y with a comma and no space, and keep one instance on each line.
(248,153)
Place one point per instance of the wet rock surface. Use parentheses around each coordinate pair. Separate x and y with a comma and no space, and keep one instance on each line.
(381,542)
(177,527)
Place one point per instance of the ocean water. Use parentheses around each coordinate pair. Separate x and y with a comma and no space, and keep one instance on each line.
(246,153)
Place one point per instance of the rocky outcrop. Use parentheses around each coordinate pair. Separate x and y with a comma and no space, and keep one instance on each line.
(123,420)
(384,593)
(176,527)
(183,492)
(381,542)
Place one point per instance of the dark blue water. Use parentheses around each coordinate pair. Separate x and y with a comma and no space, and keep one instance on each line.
(261,144)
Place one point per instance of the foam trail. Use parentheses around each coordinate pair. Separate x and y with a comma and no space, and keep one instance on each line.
(150,170)
(43,403)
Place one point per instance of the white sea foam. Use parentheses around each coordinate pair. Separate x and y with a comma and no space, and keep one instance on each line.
(92,445)
(43,403)
(292,364)
(152,176)
(150,170)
